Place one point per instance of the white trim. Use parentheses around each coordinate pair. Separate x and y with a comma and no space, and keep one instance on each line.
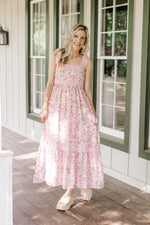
(32,57)
(37,1)
(112,132)
(127,179)
(36,110)
(113,29)
(34,97)
(6,153)
(112,57)
(70,14)
(118,107)
(109,7)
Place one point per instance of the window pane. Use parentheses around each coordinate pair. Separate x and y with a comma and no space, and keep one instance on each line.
(121,18)
(108,93)
(43,83)
(119,119)
(38,47)
(64,25)
(37,83)
(42,48)
(35,11)
(35,30)
(32,61)
(42,10)
(75,6)
(62,40)
(35,38)
(43,95)
(65,7)
(38,66)
(120,94)
(107,19)
(75,19)
(43,66)
(119,2)
(35,47)
(42,38)
(120,44)
(107,116)
(38,103)
(108,70)
(107,3)
(121,71)
(106,44)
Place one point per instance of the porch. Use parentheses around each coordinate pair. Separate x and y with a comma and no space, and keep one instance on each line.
(34,204)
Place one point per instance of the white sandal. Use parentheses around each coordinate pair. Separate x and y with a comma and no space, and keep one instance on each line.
(67,201)
(86,193)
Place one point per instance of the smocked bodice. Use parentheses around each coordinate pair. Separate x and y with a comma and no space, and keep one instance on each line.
(70,74)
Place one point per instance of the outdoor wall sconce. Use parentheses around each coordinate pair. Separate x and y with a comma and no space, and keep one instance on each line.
(3,36)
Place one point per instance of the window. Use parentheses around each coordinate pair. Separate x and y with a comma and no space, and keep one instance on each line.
(113,20)
(112,57)
(69,15)
(144,130)
(37,54)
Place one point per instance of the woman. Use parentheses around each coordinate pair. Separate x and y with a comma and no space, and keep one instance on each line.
(69,153)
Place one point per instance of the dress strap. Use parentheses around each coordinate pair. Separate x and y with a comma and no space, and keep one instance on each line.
(58,57)
(84,60)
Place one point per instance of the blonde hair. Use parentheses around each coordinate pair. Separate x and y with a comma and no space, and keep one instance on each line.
(66,49)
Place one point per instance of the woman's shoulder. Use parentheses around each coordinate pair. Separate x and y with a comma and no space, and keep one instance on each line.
(87,60)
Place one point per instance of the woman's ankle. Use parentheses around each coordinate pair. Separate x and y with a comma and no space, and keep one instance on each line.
(70,191)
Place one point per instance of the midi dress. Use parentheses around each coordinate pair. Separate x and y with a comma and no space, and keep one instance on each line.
(69,152)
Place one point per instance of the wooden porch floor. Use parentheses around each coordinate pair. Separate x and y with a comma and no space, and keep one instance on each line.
(34,204)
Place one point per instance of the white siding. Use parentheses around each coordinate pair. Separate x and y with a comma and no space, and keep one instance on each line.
(12,71)
(126,167)
(106,155)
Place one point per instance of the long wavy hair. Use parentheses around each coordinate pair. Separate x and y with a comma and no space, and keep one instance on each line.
(66,49)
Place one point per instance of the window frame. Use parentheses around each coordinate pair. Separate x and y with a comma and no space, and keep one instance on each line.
(29,114)
(70,14)
(144,151)
(56,24)
(109,140)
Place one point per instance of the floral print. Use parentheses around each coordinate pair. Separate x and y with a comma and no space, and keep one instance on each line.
(69,152)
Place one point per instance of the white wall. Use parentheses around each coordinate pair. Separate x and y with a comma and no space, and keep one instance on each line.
(127,167)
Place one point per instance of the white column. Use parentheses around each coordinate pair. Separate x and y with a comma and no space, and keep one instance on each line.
(0,124)
(6,217)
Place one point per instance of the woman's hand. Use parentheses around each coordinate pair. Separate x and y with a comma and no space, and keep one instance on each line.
(44,115)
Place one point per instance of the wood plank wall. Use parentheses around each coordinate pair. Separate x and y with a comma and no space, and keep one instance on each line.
(12,71)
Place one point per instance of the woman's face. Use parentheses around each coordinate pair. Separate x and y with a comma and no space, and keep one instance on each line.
(78,40)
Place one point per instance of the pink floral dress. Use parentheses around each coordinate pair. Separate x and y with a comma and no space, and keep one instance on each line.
(69,152)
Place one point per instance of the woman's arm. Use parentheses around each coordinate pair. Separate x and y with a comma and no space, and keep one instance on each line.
(87,85)
(49,87)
